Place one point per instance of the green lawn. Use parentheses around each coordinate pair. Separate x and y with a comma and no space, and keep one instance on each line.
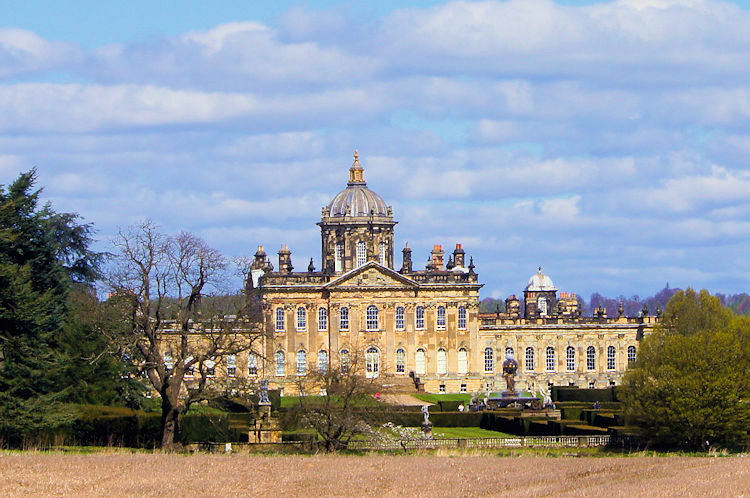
(434,398)
(466,432)
(290,401)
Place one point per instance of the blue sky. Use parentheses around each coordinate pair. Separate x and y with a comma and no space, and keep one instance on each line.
(605,141)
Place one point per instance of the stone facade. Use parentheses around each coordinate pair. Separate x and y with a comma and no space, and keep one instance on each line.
(421,322)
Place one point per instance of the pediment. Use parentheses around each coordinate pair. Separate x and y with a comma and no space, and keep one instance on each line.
(373,275)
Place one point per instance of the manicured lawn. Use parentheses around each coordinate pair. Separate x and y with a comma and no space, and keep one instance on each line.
(466,432)
(290,401)
(434,398)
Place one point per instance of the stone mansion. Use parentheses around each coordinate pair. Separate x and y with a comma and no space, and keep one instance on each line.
(421,327)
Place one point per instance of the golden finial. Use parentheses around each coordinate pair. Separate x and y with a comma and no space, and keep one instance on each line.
(356,172)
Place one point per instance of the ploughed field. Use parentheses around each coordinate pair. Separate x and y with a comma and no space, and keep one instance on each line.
(144,474)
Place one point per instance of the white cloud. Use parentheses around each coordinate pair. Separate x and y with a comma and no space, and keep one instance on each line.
(23,51)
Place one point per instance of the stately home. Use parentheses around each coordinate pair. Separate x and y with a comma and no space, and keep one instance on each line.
(421,329)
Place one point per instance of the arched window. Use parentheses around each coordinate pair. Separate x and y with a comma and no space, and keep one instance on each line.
(463,361)
(400,361)
(280,322)
(489,360)
(252,364)
(344,318)
(372,362)
(419,321)
(442,361)
(373,323)
(168,361)
(419,364)
(301,362)
(632,354)
(441,318)
(361,253)
(530,359)
(591,358)
(322,319)
(344,359)
(541,304)
(461,317)
(550,359)
(570,359)
(322,361)
(383,254)
(611,358)
(400,318)
(301,318)
(231,365)
(280,363)
(509,352)
(339,257)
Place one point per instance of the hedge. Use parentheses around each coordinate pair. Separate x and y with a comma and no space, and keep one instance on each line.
(567,393)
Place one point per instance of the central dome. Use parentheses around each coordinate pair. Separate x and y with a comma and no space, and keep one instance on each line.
(356,199)
(540,282)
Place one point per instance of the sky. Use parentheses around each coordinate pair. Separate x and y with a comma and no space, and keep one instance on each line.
(607,142)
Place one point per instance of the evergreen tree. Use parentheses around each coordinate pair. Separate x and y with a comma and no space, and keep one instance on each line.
(689,387)
(41,253)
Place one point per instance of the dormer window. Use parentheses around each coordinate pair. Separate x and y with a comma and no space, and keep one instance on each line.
(542,306)
(339,257)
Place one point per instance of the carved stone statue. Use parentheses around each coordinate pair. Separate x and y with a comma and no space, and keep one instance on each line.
(426,414)
(510,367)
(263,394)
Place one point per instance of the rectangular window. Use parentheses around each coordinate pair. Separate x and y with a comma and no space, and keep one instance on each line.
(400,319)
(339,257)
(441,318)
(301,318)
(361,253)
(442,388)
(420,318)
(322,319)
(383,254)
(344,319)
(372,318)
(463,388)
(231,365)
(252,364)
(280,320)
(462,318)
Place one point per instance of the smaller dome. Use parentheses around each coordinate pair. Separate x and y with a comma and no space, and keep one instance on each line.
(540,282)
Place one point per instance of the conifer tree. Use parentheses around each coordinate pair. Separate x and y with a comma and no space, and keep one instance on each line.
(41,253)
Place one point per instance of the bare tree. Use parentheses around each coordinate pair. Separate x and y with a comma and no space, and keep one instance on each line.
(337,401)
(159,284)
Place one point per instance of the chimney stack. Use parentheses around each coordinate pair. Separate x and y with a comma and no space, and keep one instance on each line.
(437,258)
(285,260)
(406,267)
(459,256)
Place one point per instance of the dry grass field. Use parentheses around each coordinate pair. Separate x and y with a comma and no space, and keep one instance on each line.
(143,474)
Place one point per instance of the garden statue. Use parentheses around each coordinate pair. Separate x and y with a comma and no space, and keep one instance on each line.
(510,367)
(426,425)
